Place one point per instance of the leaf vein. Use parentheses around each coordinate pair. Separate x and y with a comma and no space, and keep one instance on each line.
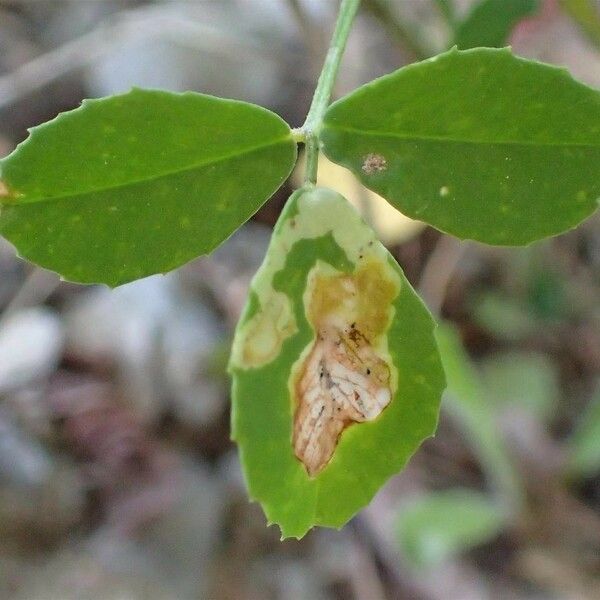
(157,177)
(413,138)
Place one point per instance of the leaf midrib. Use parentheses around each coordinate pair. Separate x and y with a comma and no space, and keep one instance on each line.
(133,183)
(431,138)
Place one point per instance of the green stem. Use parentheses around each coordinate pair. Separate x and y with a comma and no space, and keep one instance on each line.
(446,8)
(320,101)
(585,14)
(382,11)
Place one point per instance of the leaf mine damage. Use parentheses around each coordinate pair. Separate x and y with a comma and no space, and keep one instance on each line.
(345,378)
(266,331)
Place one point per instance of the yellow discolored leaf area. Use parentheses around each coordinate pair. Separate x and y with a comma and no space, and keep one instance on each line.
(346,376)
(267,330)
(5,193)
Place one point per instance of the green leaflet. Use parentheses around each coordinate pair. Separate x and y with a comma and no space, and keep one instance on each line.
(329,308)
(445,523)
(490,22)
(466,401)
(478,143)
(583,447)
(137,184)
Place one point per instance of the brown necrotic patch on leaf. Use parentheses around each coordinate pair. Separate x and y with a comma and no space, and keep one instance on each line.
(345,377)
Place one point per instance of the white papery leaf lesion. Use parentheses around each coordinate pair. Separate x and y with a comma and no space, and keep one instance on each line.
(344,382)
(344,378)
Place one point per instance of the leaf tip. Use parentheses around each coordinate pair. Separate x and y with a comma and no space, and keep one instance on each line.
(137,90)
(292,536)
(285,534)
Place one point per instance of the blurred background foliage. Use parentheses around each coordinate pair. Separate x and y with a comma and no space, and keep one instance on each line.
(117,476)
